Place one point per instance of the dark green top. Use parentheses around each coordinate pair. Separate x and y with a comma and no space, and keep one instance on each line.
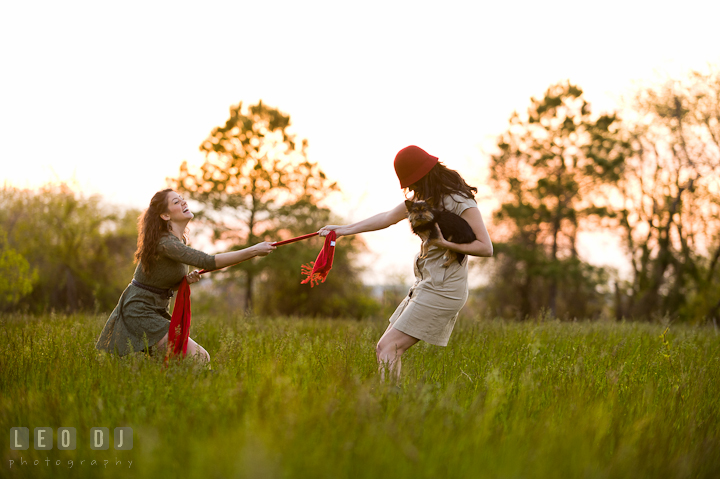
(143,315)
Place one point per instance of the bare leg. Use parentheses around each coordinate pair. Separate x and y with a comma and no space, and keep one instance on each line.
(162,344)
(194,350)
(390,348)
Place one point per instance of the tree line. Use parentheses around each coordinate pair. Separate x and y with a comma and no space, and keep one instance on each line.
(649,174)
(63,251)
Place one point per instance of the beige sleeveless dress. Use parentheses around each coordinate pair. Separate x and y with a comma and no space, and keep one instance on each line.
(430,309)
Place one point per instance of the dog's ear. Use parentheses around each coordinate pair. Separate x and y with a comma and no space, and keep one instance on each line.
(408,204)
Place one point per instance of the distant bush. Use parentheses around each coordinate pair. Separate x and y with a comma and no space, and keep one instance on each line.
(67,252)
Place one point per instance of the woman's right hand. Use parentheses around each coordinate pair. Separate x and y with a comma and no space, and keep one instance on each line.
(328,228)
(264,248)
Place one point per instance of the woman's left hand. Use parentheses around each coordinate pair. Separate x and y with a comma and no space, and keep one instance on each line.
(193,277)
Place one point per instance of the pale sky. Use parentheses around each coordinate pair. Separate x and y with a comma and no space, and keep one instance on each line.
(114,96)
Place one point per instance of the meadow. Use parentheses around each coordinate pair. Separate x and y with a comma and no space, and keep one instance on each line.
(297,398)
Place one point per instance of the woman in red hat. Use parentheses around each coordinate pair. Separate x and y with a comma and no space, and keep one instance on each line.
(430,309)
(141,316)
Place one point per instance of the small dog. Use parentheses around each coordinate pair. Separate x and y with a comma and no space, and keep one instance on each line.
(423,219)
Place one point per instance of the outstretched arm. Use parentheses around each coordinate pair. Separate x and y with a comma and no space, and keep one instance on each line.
(482,246)
(233,257)
(374,223)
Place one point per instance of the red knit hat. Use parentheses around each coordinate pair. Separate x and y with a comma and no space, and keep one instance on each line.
(412,163)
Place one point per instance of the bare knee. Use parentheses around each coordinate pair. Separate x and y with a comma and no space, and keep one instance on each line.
(388,350)
(378,350)
(201,354)
(205,354)
(196,351)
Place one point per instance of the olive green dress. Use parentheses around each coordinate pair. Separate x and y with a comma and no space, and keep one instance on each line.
(430,309)
(143,315)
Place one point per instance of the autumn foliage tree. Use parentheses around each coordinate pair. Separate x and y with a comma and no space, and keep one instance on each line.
(256,184)
(553,170)
(670,216)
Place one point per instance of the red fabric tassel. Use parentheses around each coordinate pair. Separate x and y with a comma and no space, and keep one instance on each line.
(179,323)
(318,270)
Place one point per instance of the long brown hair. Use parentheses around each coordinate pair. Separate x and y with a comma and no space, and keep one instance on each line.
(150,229)
(438,182)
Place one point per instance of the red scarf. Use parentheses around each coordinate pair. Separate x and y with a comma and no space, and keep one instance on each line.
(180,322)
(179,331)
(318,270)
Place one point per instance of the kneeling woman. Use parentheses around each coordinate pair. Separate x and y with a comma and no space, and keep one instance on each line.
(141,317)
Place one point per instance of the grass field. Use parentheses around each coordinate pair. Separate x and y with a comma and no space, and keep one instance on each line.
(301,398)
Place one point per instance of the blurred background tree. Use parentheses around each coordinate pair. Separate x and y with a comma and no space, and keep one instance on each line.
(81,254)
(671,199)
(16,276)
(553,172)
(652,179)
(257,184)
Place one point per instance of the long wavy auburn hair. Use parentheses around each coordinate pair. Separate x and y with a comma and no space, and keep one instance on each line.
(438,182)
(150,229)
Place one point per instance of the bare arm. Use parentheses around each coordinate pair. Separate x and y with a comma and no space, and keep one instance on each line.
(482,246)
(374,223)
(234,257)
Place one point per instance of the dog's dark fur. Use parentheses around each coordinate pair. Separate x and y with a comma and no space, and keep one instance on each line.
(423,219)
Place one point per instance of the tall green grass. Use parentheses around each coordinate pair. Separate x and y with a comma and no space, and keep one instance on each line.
(301,398)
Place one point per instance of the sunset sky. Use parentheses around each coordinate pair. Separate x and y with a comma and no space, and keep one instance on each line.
(115,95)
